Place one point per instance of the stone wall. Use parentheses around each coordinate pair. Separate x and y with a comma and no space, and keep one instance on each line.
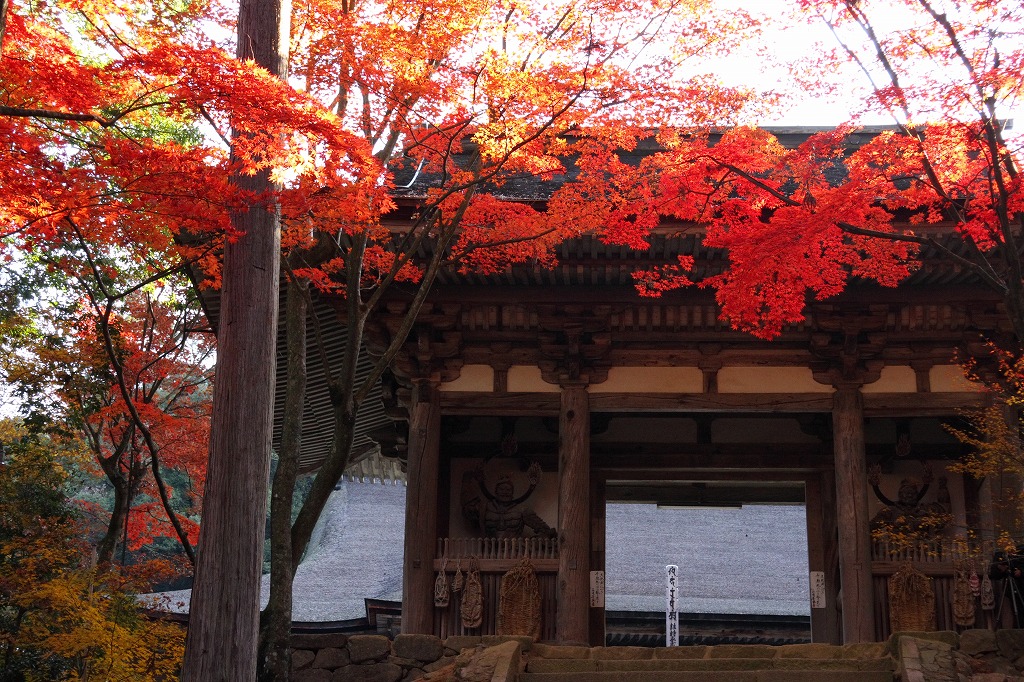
(375,658)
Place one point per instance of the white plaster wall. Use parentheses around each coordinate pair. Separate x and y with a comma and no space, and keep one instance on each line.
(894,379)
(769,380)
(527,379)
(478,378)
(950,378)
(651,380)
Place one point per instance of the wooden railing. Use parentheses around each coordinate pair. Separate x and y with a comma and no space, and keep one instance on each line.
(937,551)
(497,548)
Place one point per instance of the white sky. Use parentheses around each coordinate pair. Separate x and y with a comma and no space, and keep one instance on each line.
(788,43)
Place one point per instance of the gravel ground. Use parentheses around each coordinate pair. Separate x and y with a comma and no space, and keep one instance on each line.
(749,560)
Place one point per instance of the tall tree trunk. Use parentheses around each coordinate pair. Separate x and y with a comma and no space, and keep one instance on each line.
(224,620)
(4,6)
(275,655)
(115,527)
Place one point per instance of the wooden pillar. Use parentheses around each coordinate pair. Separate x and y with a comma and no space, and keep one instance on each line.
(421,510)
(821,557)
(572,621)
(852,515)
(598,528)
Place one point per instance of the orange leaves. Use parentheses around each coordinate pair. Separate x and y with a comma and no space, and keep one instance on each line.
(656,281)
(496,234)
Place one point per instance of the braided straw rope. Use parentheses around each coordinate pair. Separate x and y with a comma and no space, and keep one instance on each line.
(911,600)
(519,604)
(472,608)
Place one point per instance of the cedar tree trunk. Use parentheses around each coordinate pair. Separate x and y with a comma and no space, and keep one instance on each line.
(224,619)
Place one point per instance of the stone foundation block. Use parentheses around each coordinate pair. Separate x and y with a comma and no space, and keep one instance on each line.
(312,675)
(426,648)
(301,658)
(374,672)
(459,642)
(363,648)
(1010,643)
(439,663)
(405,663)
(974,642)
(331,658)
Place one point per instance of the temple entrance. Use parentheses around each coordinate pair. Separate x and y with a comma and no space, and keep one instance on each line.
(742,552)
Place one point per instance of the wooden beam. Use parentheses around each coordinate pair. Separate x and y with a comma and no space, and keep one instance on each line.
(573,619)
(852,512)
(698,493)
(922,404)
(500,404)
(499,566)
(421,512)
(547,404)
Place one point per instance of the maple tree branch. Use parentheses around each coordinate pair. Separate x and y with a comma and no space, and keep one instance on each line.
(126,394)
(987,275)
(19,112)
(757,182)
(209,119)
(143,427)
(22,112)
(476,246)
(993,142)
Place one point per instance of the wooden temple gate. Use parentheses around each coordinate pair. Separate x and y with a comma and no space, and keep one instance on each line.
(566,354)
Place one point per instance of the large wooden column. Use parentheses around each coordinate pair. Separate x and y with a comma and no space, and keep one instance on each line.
(421,510)
(821,557)
(572,625)
(852,515)
(598,554)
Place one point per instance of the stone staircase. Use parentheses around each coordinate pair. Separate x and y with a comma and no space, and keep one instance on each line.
(724,663)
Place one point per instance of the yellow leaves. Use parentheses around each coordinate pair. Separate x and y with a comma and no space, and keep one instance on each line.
(74,616)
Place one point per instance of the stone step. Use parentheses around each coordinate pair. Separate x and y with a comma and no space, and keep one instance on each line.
(821,666)
(711,676)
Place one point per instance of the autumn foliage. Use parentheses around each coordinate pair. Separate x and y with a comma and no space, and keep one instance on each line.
(122,125)
(61,615)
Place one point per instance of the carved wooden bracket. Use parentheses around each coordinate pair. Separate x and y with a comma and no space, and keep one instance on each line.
(576,349)
(848,344)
